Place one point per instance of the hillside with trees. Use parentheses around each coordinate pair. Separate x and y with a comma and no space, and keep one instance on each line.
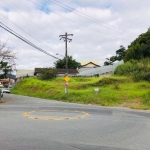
(139,48)
(137,59)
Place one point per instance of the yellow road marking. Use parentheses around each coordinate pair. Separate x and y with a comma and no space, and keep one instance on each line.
(26,114)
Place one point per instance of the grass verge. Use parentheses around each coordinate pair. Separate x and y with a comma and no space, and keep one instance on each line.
(113,91)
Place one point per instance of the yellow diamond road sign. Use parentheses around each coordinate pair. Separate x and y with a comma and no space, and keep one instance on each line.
(67,78)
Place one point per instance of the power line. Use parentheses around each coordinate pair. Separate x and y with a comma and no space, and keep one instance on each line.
(23,15)
(24,31)
(37,66)
(88,17)
(74,21)
(44,21)
(25,40)
(29,20)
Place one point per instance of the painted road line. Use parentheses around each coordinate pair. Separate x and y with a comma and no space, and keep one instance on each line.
(36,117)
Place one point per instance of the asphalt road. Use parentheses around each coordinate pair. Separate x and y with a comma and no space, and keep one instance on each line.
(36,124)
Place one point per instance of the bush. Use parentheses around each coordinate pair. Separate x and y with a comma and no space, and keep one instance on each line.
(47,73)
(126,69)
(138,70)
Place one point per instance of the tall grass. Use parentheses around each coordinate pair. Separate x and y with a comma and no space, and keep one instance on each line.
(113,91)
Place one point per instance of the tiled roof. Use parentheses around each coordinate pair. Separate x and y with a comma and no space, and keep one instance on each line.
(70,71)
(60,71)
(94,65)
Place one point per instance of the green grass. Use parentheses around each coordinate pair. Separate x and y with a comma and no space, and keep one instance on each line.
(113,91)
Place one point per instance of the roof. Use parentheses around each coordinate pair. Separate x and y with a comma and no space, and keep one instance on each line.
(70,71)
(83,62)
(36,70)
(94,65)
(6,80)
(60,71)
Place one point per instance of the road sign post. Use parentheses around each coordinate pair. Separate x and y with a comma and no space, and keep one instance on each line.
(66,84)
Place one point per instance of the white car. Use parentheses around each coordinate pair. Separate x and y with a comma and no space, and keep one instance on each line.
(5,90)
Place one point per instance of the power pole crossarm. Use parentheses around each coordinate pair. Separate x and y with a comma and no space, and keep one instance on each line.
(67,35)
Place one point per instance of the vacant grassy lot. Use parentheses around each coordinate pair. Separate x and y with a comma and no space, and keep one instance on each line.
(113,91)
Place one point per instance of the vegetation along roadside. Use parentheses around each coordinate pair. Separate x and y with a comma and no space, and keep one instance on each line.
(113,91)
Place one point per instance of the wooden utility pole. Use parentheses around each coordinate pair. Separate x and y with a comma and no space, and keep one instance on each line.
(66,39)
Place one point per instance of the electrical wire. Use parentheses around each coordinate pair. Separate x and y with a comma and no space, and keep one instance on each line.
(25,31)
(44,21)
(74,21)
(88,17)
(23,39)
(36,66)
(30,20)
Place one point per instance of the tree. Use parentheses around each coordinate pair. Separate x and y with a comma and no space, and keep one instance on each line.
(110,60)
(72,63)
(5,69)
(47,73)
(139,48)
(7,59)
(120,53)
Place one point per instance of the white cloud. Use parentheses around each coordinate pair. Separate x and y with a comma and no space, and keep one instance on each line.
(116,23)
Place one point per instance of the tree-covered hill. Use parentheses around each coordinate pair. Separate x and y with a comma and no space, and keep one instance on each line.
(139,48)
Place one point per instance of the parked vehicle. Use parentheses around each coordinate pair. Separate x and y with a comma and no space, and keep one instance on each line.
(5,90)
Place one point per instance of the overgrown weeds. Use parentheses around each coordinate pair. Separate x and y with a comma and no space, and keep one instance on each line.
(113,91)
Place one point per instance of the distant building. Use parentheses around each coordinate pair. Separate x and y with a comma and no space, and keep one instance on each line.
(89,64)
(85,65)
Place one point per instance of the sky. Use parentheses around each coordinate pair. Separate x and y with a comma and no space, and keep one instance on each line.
(99,27)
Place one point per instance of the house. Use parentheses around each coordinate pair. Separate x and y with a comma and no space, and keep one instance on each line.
(85,65)
(90,65)
(8,81)
(71,72)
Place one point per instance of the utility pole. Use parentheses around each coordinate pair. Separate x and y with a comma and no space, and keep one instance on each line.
(66,39)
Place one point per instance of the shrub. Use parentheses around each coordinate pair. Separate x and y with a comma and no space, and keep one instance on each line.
(126,69)
(47,73)
(138,70)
